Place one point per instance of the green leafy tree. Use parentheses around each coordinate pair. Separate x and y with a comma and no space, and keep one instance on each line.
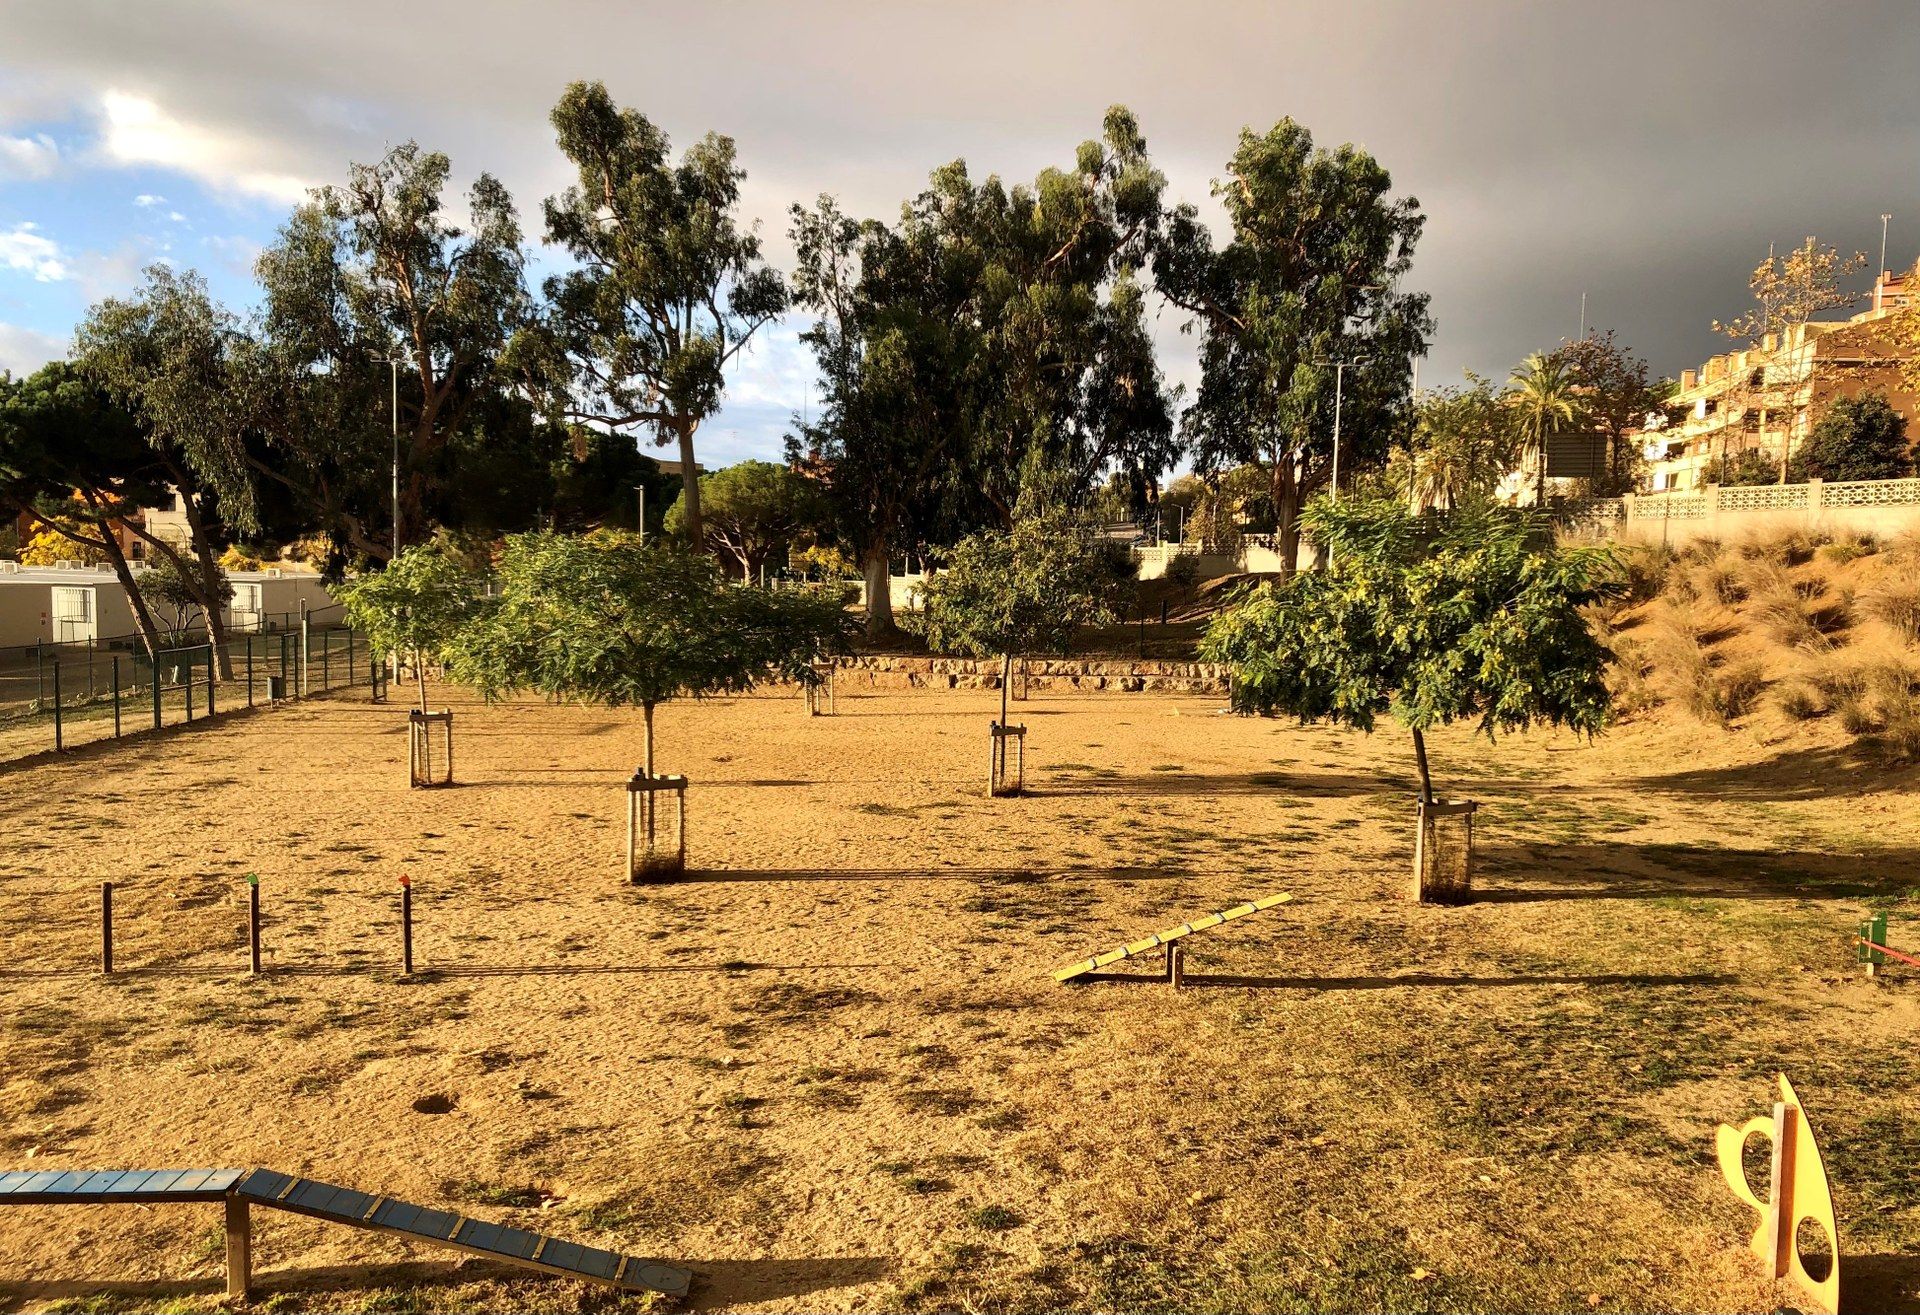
(752,510)
(375,301)
(1309,276)
(1616,398)
(1545,397)
(1748,467)
(1471,616)
(1007,593)
(418,604)
(603,618)
(1858,438)
(1464,442)
(178,600)
(78,463)
(173,357)
(667,288)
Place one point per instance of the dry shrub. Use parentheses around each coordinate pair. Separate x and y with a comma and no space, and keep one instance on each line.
(1777,606)
(1894,598)
(1683,671)
(1647,567)
(1720,579)
(1851,546)
(1798,699)
(1736,688)
(1627,676)
(1874,692)
(1784,547)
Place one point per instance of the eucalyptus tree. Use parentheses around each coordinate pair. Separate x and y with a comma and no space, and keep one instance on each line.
(666,290)
(753,509)
(175,359)
(1474,616)
(1309,276)
(376,302)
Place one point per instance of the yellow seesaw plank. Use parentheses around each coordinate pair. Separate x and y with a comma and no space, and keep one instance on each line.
(1159,938)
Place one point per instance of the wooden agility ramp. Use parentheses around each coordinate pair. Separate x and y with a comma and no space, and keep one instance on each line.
(241,1189)
(1106,958)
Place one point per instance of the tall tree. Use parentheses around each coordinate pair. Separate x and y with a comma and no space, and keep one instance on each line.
(374,301)
(1616,397)
(1790,290)
(667,288)
(1546,401)
(173,357)
(1858,438)
(1308,277)
(78,463)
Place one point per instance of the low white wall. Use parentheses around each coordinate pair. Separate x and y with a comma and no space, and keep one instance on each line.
(1882,507)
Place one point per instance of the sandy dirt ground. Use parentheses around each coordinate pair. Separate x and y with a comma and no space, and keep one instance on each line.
(829,1069)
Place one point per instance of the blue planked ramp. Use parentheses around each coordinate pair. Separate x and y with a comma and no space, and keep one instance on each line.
(243,1188)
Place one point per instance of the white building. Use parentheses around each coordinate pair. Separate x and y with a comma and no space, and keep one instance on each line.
(73,603)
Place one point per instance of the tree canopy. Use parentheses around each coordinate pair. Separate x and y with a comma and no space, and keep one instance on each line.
(1858,438)
(1469,616)
(752,510)
(419,604)
(605,619)
(1309,276)
(667,288)
(1465,439)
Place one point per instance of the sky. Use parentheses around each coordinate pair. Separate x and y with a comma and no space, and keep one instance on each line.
(1642,154)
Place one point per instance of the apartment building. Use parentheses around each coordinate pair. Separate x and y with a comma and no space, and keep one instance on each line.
(1767,398)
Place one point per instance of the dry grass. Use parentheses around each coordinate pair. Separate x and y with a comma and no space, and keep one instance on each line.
(829,1070)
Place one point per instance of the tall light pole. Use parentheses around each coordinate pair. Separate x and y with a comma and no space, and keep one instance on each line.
(1883,248)
(394,362)
(1339,379)
(640,521)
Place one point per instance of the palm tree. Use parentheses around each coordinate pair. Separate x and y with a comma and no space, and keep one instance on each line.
(1543,393)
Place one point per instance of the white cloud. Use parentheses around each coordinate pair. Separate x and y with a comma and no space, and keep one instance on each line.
(137,131)
(28,157)
(24,249)
(23,350)
(147,200)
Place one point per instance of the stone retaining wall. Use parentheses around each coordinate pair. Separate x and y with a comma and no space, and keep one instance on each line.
(881,671)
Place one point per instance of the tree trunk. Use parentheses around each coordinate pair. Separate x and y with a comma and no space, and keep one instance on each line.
(879,572)
(1006,684)
(1286,516)
(1420,756)
(211,602)
(142,617)
(690,483)
(1540,478)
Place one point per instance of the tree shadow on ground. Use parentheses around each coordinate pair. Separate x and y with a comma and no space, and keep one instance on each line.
(1278,785)
(718,1284)
(1881,1284)
(1812,773)
(1642,870)
(1013,876)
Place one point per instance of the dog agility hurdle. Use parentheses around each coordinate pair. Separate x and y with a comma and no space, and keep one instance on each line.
(1176,955)
(240,1189)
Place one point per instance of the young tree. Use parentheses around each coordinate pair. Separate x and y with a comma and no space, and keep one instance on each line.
(667,288)
(374,301)
(1308,278)
(1007,593)
(178,600)
(418,604)
(1546,401)
(752,510)
(604,619)
(1475,615)
(171,356)
(1858,438)
(78,463)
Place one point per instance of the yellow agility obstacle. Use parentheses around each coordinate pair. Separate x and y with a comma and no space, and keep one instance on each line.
(1080,967)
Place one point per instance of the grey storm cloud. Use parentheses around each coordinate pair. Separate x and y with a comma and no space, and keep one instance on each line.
(1645,154)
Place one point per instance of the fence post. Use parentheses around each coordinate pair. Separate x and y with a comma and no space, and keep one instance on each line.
(305,648)
(253,922)
(326,661)
(349,657)
(58,742)
(209,680)
(249,642)
(186,683)
(39,674)
(406,926)
(1813,495)
(116,696)
(90,647)
(153,670)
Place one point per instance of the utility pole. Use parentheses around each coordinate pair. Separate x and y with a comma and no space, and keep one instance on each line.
(1882,267)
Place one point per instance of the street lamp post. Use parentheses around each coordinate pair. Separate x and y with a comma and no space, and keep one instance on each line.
(1883,247)
(1339,381)
(394,362)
